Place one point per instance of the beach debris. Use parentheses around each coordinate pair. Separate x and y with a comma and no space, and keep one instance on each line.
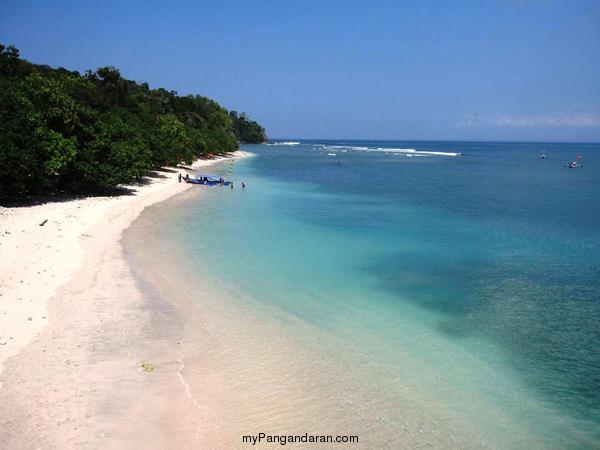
(29,318)
(147,367)
(43,222)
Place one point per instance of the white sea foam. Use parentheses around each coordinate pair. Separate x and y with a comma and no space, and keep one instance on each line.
(417,152)
(284,143)
(400,151)
(349,147)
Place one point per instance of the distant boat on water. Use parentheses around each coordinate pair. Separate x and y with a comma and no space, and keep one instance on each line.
(575,164)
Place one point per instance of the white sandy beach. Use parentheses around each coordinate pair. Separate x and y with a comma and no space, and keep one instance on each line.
(62,285)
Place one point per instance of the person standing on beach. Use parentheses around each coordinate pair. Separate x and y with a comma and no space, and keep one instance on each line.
(179,176)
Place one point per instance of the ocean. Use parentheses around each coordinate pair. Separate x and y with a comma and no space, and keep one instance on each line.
(422,293)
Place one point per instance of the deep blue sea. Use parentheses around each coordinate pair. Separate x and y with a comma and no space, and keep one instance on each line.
(468,271)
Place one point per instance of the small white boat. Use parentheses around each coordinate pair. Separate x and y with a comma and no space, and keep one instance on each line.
(331,154)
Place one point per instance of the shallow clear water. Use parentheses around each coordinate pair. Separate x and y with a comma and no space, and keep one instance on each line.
(473,279)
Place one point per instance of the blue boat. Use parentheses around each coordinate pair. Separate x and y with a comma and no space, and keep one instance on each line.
(208,180)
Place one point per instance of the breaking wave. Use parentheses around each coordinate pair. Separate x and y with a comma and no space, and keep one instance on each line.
(284,143)
(399,151)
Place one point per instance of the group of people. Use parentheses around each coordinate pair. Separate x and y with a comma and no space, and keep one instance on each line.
(243,185)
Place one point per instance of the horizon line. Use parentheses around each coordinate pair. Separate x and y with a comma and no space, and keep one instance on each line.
(435,140)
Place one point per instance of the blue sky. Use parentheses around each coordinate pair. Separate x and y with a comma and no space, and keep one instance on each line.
(490,70)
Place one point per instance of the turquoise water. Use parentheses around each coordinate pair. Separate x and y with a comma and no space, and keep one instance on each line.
(472,278)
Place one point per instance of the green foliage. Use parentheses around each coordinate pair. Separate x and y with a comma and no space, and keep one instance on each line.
(115,154)
(9,60)
(59,151)
(172,143)
(247,131)
(60,130)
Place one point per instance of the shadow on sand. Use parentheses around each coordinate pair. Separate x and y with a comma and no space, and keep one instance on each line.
(70,195)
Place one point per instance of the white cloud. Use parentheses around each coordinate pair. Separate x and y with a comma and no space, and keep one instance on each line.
(572,120)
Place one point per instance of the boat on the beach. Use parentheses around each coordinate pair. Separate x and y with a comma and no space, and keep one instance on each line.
(208,180)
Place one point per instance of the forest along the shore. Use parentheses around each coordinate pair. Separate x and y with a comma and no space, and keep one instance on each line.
(62,131)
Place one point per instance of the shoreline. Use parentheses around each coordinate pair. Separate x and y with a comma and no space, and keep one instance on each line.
(63,285)
(251,366)
(142,350)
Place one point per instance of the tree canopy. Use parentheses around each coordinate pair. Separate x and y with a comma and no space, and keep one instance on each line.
(61,130)
(247,131)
